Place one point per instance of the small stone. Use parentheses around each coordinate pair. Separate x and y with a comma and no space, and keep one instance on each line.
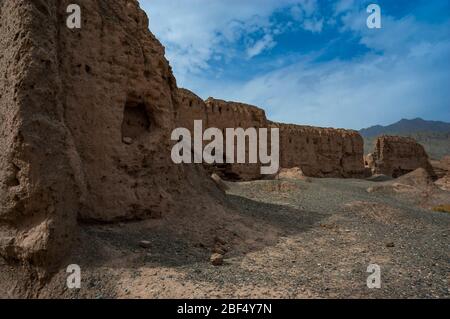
(145,244)
(390,245)
(216,259)
(219,240)
(219,250)
(200,245)
(6,241)
(127,140)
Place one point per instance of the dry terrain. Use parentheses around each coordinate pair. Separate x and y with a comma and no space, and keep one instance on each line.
(287,238)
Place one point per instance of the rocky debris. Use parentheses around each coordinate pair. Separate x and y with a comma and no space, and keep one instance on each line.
(220,250)
(219,240)
(145,244)
(220,246)
(216,259)
(128,140)
(396,156)
(444,183)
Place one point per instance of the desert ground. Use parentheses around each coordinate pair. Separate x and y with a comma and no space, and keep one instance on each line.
(285,238)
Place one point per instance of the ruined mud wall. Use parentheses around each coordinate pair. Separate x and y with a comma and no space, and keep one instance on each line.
(396,156)
(321,152)
(318,152)
(85,123)
(119,100)
(38,191)
(222,115)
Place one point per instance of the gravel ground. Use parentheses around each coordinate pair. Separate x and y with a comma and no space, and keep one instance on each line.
(287,239)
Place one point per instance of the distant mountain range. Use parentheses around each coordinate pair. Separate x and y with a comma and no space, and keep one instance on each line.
(433,135)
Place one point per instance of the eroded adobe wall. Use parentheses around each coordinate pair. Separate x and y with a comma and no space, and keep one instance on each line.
(86,117)
(192,108)
(120,96)
(395,156)
(318,152)
(222,115)
(321,152)
(38,190)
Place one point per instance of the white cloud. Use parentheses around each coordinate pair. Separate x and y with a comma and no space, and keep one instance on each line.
(267,42)
(408,77)
(314,25)
(344,6)
(352,94)
(196,31)
(404,75)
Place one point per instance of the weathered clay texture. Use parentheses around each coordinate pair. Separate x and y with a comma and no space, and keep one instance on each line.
(222,115)
(39,194)
(319,152)
(85,123)
(396,156)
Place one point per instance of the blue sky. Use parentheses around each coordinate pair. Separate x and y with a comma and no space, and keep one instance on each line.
(312,62)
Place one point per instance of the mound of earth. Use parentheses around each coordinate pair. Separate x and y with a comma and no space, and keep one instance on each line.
(444,183)
(416,187)
(418,178)
(292,173)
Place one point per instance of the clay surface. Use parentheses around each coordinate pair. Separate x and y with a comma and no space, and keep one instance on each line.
(396,156)
(86,117)
(319,152)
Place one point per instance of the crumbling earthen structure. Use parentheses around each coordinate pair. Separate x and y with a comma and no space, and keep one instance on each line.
(86,117)
(85,123)
(222,115)
(319,152)
(322,152)
(396,156)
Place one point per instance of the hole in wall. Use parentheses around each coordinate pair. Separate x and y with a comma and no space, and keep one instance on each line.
(13,179)
(136,121)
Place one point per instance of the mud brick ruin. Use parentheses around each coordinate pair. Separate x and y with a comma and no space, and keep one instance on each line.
(396,156)
(320,152)
(85,123)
